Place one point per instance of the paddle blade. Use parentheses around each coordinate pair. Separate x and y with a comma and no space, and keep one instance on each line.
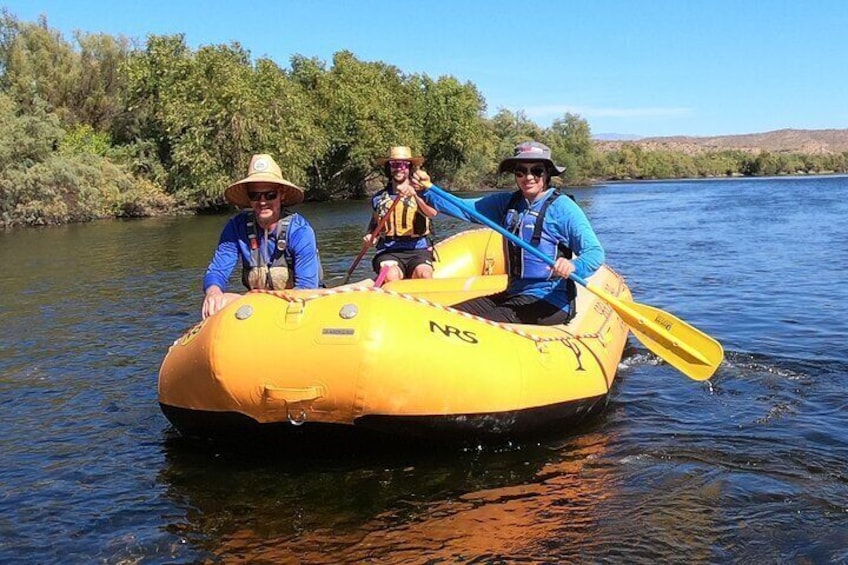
(687,349)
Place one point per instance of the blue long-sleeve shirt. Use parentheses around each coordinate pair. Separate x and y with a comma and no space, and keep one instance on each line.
(301,250)
(564,221)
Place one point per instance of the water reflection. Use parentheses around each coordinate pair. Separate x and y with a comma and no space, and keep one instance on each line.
(506,504)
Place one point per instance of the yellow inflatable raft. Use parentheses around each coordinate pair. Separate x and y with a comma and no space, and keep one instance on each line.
(393,361)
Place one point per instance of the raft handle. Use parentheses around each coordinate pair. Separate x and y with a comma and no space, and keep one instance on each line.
(294,401)
(299,420)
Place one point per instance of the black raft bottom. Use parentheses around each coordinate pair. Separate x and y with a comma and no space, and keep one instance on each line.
(455,428)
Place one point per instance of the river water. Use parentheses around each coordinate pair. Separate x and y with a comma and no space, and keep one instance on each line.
(748,467)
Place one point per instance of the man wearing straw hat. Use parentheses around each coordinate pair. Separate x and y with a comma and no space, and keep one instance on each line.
(403,244)
(277,248)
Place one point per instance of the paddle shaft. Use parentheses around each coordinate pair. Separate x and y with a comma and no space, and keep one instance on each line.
(374,234)
(458,202)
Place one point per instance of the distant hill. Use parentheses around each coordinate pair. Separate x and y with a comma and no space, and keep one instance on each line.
(808,141)
(615,137)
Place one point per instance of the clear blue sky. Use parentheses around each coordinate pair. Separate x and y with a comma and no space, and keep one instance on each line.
(643,67)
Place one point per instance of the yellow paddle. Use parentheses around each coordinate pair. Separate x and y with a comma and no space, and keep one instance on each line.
(687,349)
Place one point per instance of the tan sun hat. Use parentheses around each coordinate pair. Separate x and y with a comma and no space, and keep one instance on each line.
(263,170)
(401,153)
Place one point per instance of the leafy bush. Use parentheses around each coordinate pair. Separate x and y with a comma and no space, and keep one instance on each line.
(81,188)
(84,140)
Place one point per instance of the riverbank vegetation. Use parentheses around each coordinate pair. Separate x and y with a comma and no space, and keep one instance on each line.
(99,126)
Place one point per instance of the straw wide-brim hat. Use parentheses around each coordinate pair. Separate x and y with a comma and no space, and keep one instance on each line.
(401,153)
(263,170)
(531,151)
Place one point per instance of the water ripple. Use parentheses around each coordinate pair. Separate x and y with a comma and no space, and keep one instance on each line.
(747,467)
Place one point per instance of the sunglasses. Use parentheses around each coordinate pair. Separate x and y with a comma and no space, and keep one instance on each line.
(403,165)
(267,195)
(536,170)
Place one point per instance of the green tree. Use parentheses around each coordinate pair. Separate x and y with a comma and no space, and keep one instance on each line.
(286,122)
(81,83)
(453,125)
(509,129)
(98,98)
(207,117)
(38,66)
(47,177)
(151,75)
(209,110)
(570,140)
(363,108)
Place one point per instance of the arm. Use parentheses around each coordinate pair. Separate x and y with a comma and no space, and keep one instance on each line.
(224,259)
(492,206)
(218,272)
(571,226)
(304,246)
(373,223)
(370,238)
(424,208)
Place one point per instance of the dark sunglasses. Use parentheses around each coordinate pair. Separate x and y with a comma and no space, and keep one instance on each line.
(399,164)
(267,195)
(537,171)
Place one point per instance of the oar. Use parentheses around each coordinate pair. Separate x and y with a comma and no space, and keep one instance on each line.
(381,278)
(374,234)
(687,349)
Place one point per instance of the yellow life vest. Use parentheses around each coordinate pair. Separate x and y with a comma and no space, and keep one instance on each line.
(406,219)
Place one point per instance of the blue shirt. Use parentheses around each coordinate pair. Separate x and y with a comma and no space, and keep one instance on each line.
(301,251)
(564,221)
